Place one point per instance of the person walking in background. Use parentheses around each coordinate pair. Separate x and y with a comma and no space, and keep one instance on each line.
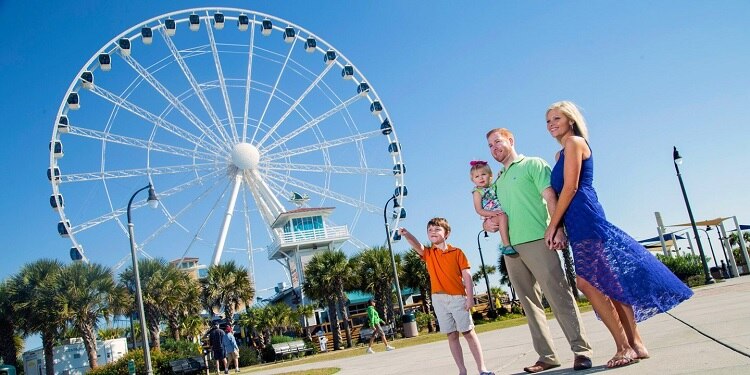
(216,339)
(231,349)
(452,290)
(486,203)
(623,281)
(373,319)
(524,188)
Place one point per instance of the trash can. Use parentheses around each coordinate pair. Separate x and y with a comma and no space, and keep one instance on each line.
(7,370)
(410,325)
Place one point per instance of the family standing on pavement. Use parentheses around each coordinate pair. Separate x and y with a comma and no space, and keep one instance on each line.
(539,210)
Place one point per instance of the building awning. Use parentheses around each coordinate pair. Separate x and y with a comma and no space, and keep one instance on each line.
(667,237)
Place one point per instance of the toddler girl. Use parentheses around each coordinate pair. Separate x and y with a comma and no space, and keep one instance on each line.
(486,203)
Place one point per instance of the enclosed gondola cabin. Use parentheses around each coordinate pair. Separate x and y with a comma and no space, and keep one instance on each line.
(62,125)
(147,35)
(289,34)
(53,174)
(376,108)
(62,228)
(329,57)
(76,253)
(195,22)
(105,62)
(57,149)
(87,80)
(399,169)
(394,148)
(73,101)
(243,22)
(310,44)
(347,72)
(124,45)
(401,191)
(170,27)
(266,27)
(399,213)
(218,20)
(386,127)
(56,201)
(363,88)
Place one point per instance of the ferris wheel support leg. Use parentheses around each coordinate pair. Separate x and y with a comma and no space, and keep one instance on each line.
(227,220)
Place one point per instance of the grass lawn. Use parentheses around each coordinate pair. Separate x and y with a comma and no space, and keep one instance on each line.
(423,338)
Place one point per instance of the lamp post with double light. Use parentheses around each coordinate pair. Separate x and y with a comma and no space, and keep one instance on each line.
(153,201)
(677,161)
(492,314)
(401,212)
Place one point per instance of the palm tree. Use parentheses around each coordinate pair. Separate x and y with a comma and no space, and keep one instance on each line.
(86,293)
(415,276)
(373,266)
(36,310)
(8,348)
(226,286)
(111,333)
(504,276)
(321,285)
(193,327)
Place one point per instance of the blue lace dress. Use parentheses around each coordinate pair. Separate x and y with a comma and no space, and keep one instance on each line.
(611,260)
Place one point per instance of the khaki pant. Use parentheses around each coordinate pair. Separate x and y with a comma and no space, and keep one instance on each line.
(537,270)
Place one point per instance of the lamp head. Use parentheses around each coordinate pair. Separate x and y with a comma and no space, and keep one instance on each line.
(708,227)
(485,234)
(153,200)
(676,156)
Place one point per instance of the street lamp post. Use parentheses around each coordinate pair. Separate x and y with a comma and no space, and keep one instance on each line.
(730,274)
(492,313)
(153,201)
(677,161)
(390,250)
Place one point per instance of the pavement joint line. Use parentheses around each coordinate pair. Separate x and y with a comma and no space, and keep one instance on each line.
(710,337)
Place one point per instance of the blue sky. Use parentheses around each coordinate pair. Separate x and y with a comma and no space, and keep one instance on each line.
(648,76)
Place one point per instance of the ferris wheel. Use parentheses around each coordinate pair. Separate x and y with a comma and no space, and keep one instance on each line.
(232,116)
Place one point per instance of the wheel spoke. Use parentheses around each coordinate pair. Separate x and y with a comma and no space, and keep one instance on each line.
(296,103)
(137,142)
(220,74)
(126,173)
(273,91)
(196,87)
(321,146)
(310,124)
(326,168)
(248,80)
(322,191)
(152,118)
(172,99)
(114,214)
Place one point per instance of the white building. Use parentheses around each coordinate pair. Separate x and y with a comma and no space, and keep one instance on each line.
(71,358)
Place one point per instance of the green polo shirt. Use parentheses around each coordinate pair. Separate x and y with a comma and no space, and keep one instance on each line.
(519,190)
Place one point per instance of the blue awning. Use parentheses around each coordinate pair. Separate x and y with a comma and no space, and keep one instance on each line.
(667,237)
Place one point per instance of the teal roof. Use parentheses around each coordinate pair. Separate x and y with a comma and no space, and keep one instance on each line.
(358,297)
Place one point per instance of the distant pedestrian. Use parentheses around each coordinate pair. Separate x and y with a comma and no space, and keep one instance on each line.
(374,321)
(623,281)
(452,290)
(216,338)
(231,349)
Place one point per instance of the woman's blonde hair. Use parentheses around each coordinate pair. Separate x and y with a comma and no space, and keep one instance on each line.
(571,111)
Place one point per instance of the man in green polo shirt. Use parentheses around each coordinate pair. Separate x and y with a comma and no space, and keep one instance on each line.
(523,188)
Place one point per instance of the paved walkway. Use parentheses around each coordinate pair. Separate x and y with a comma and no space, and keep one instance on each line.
(717,343)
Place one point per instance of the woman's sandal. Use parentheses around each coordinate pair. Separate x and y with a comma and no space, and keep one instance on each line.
(621,361)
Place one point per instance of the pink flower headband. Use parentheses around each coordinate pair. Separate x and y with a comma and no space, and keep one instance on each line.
(477,162)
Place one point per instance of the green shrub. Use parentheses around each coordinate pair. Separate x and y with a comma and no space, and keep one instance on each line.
(423,320)
(159,362)
(248,356)
(182,347)
(696,280)
(281,339)
(683,266)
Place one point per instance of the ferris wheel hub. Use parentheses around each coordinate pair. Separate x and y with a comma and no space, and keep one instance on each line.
(245,156)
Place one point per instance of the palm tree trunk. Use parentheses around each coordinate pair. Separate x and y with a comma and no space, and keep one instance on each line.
(426,302)
(89,342)
(7,344)
(333,320)
(49,359)
(345,315)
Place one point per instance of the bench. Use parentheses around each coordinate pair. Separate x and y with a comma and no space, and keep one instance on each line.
(186,366)
(289,348)
(366,333)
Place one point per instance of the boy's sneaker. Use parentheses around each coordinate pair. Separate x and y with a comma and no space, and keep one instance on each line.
(370,351)
(508,250)
(389,348)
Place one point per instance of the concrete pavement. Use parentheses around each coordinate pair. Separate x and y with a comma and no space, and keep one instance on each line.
(709,333)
